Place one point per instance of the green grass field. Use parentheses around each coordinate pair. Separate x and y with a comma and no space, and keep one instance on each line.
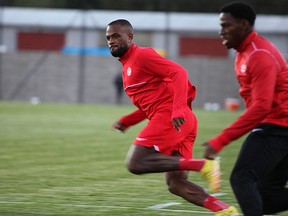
(65,160)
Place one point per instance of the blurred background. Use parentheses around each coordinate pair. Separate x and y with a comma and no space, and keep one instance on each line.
(55,50)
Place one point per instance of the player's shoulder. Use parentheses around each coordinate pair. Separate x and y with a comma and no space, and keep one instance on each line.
(260,47)
(261,44)
(145,52)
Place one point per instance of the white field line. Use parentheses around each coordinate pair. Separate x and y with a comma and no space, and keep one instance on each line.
(218,194)
(151,208)
(161,206)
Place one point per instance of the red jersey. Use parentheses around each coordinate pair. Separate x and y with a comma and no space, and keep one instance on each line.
(154,84)
(262,73)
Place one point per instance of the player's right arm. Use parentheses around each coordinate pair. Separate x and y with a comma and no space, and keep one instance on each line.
(119,126)
(263,72)
(129,120)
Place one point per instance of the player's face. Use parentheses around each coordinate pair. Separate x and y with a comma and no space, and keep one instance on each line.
(118,39)
(232,30)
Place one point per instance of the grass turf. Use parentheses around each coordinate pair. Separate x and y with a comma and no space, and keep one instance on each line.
(65,160)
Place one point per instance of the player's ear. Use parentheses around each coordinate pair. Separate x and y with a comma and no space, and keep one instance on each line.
(245,24)
(130,37)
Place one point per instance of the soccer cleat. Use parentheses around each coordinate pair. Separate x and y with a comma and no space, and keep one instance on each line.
(231,211)
(211,172)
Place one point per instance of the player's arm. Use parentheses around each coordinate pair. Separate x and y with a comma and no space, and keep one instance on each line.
(264,70)
(179,77)
(129,120)
(177,122)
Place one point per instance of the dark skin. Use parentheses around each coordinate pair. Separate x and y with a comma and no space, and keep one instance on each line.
(140,159)
(233,31)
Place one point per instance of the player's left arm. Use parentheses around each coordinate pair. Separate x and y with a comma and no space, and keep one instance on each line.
(178,76)
(263,70)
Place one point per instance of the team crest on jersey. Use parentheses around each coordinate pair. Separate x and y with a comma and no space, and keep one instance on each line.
(243,68)
(129,71)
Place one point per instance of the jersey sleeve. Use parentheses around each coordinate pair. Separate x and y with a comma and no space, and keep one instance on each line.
(132,118)
(263,69)
(157,65)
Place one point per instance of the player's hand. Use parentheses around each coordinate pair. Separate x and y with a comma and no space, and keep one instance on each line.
(118,126)
(209,152)
(177,122)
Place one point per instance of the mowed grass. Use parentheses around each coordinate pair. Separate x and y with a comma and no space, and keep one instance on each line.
(64,160)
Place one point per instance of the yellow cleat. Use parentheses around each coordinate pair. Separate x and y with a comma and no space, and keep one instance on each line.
(211,172)
(231,211)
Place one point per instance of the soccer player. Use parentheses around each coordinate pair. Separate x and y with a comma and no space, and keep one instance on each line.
(260,174)
(161,91)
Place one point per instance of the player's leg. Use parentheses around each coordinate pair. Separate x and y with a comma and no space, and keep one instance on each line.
(159,139)
(256,159)
(141,160)
(179,185)
(274,190)
(244,178)
(156,142)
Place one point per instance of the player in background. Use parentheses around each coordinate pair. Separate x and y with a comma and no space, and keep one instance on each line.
(161,91)
(260,174)
(118,84)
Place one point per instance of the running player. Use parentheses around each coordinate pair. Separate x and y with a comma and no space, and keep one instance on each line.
(161,91)
(260,175)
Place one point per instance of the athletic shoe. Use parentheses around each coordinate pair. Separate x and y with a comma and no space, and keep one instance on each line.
(231,211)
(211,173)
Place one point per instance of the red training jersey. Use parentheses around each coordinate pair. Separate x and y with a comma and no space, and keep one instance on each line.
(154,84)
(262,73)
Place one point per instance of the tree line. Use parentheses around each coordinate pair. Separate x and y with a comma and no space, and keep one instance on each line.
(278,7)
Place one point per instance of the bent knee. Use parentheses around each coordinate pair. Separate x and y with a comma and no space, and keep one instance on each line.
(134,168)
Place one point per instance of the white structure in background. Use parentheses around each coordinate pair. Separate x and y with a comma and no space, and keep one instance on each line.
(157,29)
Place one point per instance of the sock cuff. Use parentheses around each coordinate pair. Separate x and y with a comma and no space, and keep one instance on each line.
(214,204)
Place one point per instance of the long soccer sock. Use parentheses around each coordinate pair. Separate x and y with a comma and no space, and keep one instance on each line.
(214,204)
(191,164)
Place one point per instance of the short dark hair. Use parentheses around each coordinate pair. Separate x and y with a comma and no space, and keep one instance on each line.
(122,22)
(240,10)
